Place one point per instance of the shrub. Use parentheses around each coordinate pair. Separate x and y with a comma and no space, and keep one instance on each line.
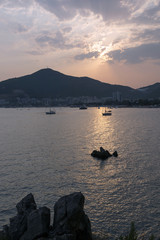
(132,234)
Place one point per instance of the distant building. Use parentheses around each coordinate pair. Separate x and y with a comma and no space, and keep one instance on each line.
(117,97)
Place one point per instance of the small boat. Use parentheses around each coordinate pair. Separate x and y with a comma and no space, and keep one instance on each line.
(107,113)
(51,112)
(83,107)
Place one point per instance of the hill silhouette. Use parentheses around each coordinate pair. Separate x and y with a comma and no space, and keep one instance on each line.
(47,83)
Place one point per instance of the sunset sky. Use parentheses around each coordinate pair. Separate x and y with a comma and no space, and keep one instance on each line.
(114,41)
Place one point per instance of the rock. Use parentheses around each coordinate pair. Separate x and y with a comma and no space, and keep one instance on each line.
(69,218)
(102,149)
(18,224)
(5,232)
(38,223)
(17,227)
(4,235)
(115,154)
(102,154)
(26,205)
(30,222)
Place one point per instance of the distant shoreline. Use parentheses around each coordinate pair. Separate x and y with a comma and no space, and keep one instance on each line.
(64,106)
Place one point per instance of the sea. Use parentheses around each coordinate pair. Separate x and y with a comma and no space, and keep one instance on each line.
(50,156)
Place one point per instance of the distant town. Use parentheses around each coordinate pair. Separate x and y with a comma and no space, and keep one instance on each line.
(116,100)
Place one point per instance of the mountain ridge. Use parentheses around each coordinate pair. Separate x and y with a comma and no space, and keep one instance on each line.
(50,83)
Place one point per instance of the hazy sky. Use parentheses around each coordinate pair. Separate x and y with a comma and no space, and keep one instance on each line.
(114,41)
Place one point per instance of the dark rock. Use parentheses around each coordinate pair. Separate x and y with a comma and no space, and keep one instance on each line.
(2,235)
(115,154)
(30,222)
(102,149)
(38,223)
(17,227)
(102,154)
(26,205)
(6,232)
(18,224)
(69,218)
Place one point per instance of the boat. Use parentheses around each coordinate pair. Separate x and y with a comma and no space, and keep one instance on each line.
(107,113)
(83,107)
(50,112)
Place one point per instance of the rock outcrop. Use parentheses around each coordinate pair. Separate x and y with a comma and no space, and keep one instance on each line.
(30,222)
(38,224)
(69,218)
(103,154)
(70,221)
(115,154)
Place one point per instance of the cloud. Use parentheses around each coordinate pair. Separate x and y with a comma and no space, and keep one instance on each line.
(108,9)
(136,54)
(67,29)
(147,35)
(18,28)
(16,3)
(62,9)
(133,11)
(83,56)
(34,53)
(149,15)
(56,41)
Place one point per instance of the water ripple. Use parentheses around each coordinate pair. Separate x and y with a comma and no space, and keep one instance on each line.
(50,157)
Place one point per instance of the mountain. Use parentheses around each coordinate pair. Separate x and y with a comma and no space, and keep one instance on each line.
(49,83)
(152,91)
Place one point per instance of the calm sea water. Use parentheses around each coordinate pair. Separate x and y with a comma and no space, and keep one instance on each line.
(50,157)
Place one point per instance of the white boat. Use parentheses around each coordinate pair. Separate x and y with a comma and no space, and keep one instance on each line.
(51,112)
(107,113)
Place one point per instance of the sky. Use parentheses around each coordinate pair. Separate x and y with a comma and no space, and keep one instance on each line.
(114,41)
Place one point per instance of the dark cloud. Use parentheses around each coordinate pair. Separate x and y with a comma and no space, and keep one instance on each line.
(147,34)
(149,16)
(58,41)
(62,9)
(136,54)
(82,56)
(16,3)
(108,9)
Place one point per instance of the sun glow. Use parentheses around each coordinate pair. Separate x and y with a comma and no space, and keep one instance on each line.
(101,49)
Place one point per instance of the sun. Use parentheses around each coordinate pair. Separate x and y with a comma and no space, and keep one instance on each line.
(102,50)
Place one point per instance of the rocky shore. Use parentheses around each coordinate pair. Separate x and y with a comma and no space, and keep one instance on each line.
(69,222)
